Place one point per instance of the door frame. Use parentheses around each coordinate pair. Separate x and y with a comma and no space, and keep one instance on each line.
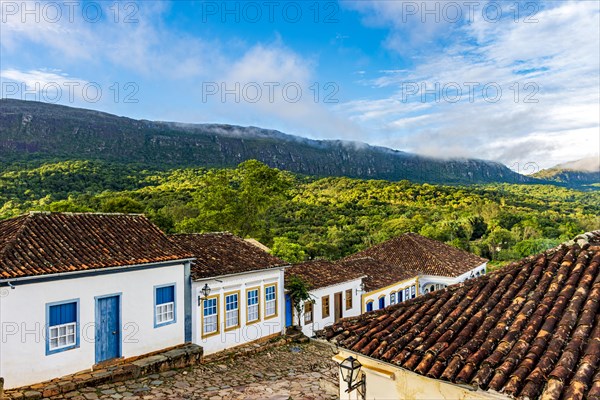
(119,296)
(338,305)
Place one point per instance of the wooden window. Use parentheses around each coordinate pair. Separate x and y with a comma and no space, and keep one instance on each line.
(210,316)
(413,292)
(370,305)
(348,299)
(382,302)
(253,306)
(308,312)
(271,301)
(164,307)
(232,310)
(392,298)
(62,326)
(325,307)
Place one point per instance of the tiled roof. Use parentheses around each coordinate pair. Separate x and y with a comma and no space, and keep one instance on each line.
(415,253)
(530,330)
(38,244)
(224,254)
(322,273)
(378,274)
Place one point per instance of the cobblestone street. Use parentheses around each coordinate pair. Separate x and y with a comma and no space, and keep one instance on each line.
(293,371)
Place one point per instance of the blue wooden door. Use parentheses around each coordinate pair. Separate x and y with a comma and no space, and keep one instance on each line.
(108,332)
(288,310)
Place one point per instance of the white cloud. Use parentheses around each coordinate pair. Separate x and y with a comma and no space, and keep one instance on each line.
(557,54)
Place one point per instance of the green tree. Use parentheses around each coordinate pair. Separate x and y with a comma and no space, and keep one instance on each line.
(287,250)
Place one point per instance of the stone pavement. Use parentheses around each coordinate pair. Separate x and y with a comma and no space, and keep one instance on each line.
(292,371)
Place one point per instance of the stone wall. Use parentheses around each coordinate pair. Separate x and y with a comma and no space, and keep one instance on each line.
(175,358)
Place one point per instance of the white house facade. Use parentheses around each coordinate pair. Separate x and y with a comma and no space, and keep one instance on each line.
(408,266)
(237,291)
(240,309)
(64,314)
(390,295)
(335,293)
(431,283)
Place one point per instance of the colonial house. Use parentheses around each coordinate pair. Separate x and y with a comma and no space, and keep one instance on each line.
(530,331)
(78,290)
(334,293)
(409,265)
(237,291)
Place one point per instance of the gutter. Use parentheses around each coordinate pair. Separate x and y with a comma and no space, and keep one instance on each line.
(96,271)
(213,277)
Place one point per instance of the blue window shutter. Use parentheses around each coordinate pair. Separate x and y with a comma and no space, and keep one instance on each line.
(382,303)
(165,295)
(370,306)
(63,314)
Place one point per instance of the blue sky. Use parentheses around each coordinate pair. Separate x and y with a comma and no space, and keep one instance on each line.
(512,82)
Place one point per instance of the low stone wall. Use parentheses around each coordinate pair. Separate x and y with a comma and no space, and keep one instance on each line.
(175,358)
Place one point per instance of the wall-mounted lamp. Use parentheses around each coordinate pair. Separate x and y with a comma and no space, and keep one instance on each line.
(361,288)
(204,293)
(350,371)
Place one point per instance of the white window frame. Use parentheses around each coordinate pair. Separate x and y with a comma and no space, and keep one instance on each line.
(232,315)
(69,336)
(211,319)
(272,303)
(253,309)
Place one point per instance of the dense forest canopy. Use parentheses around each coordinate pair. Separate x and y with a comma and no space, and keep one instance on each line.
(303,217)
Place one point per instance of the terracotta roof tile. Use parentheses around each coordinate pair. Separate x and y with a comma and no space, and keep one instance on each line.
(378,274)
(415,254)
(223,254)
(48,243)
(322,273)
(530,330)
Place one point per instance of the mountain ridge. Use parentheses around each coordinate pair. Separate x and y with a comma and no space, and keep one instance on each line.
(33,131)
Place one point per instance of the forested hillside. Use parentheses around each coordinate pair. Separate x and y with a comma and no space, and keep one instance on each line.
(39,132)
(307,217)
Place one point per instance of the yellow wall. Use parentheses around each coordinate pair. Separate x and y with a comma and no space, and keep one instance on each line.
(385,381)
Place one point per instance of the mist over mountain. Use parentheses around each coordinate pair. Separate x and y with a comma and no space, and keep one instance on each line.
(585,171)
(36,132)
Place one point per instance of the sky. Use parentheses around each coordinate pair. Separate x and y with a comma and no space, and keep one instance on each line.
(514,82)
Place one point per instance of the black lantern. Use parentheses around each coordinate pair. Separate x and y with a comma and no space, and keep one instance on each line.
(205,292)
(350,371)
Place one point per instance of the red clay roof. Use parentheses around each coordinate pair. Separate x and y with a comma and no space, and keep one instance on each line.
(416,254)
(378,274)
(224,254)
(530,330)
(38,244)
(322,273)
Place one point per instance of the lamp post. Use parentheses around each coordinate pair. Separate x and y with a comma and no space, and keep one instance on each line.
(350,371)
(204,293)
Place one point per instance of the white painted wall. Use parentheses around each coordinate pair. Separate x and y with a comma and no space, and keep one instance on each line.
(246,332)
(375,294)
(426,280)
(23,359)
(386,381)
(316,295)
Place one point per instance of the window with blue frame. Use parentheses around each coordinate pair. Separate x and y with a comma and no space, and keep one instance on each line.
(392,298)
(370,306)
(164,309)
(400,296)
(382,302)
(413,291)
(63,333)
